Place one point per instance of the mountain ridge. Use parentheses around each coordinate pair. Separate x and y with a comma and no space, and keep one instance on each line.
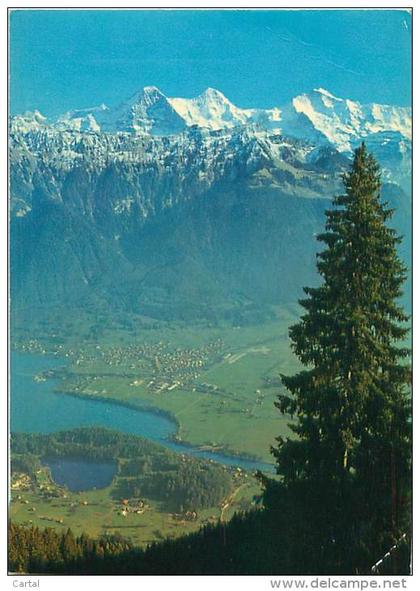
(309,116)
(180,223)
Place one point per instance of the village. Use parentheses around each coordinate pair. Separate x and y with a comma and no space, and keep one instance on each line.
(157,367)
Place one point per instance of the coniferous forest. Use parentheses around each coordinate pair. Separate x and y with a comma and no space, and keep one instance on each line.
(342,495)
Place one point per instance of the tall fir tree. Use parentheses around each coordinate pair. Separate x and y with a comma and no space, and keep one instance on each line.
(345,474)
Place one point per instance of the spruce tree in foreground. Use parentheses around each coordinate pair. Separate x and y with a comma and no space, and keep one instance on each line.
(343,497)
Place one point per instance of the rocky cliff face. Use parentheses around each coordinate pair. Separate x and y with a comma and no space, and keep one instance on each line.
(166,205)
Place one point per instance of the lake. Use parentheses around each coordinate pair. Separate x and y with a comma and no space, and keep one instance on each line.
(79,474)
(36,408)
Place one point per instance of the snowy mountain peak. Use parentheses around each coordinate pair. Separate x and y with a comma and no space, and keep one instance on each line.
(151,90)
(150,93)
(214,94)
(148,111)
(318,117)
(212,110)
(89,119)
(342,122)
(147,95)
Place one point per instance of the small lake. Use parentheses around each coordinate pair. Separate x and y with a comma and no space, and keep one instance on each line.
(79,474)
(36,408)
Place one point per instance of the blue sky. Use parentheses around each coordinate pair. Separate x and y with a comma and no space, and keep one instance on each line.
(67,59)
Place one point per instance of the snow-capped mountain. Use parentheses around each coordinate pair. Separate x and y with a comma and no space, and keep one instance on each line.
(212,110)
(196,201)
(146,112)
(317,117)
(82,119)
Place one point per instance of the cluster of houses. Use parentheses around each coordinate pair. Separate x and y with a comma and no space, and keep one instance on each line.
(20,481)
(30,346)
(175,368)
(136,506)
(36,346)
(187,516)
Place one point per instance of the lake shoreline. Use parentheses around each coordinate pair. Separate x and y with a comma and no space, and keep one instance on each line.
(46,397)
(174,437)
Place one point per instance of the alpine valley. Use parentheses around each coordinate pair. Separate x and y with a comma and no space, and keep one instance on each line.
(181,208)
(157,252)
